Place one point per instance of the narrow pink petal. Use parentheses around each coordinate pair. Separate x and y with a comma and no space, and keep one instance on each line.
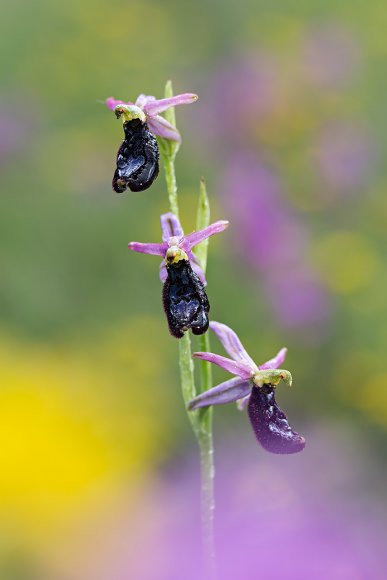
(241,403)
(197,269)
(111,103)
(232,344)
(163,272)
(156,107)
(196,237)
(142,100)
(154,249)
(276,361)
(170,226)
(195,264)
(191,256)
(227,392)
(236,368)
(162,128)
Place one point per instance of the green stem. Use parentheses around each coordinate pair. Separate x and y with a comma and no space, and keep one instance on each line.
(207,500)
(201,420)
(207,468)
(170,176)
(187,375)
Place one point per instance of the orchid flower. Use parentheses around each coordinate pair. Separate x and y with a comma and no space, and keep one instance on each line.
(148,109)
(255,386)
(184,297)
(138,156)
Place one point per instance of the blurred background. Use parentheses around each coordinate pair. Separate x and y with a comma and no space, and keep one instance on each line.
(98,467)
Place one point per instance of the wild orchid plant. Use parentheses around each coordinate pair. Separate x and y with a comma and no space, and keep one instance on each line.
(185,301)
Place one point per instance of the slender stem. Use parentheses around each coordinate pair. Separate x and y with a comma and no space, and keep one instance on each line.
(205,415)
(201,420)
(207,468)
(205,366)
(170,176)
(187,375)
(207,500)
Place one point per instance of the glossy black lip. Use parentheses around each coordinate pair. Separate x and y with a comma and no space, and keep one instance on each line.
(137,158)
(185,300)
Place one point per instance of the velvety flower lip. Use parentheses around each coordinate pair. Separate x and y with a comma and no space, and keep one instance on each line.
(253,385)
(174,240)
(148,109)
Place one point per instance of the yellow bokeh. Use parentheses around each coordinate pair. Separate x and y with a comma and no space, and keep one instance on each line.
(372,397)
(76,428)
(346,261)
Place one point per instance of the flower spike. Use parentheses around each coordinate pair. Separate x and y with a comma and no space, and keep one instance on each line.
(253,386)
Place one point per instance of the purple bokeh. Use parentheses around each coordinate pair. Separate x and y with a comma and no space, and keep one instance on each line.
(343,155)
(330,56)
(240,95)
(298,517)
(273,240)
(18,124)
(13,131)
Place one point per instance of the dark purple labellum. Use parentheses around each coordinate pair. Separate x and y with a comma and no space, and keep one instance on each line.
(137,158)
(270,424)
(185,300)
